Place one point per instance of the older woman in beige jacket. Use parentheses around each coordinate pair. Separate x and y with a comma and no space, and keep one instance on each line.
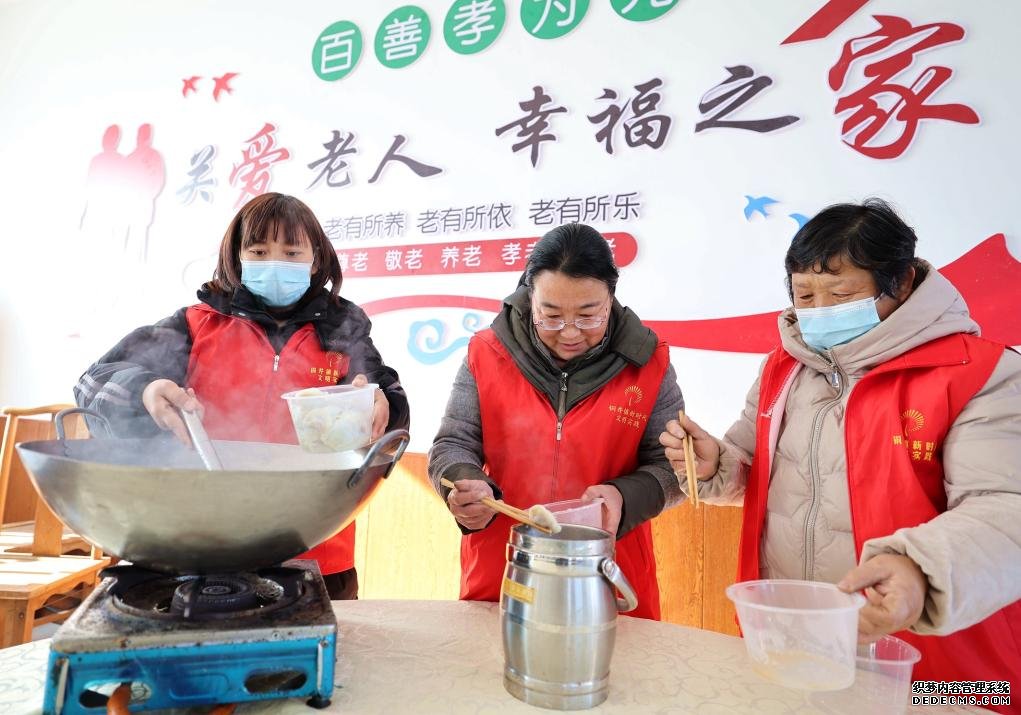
(880,449)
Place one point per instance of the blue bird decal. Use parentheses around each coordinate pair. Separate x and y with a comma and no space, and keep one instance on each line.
(757,204)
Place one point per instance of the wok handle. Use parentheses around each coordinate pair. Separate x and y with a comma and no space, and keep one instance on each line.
(376,448)
(58,420)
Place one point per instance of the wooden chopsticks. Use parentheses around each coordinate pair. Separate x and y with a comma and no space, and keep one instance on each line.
(689,463)
(504,508)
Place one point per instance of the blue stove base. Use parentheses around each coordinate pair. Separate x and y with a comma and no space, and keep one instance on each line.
(190,675)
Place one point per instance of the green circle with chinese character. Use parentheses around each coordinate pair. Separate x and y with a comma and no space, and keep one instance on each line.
(643,10)
(473,25)
(402,36)
(337,50)
(549,19)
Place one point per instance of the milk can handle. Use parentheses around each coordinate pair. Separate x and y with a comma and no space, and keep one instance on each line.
(616,577)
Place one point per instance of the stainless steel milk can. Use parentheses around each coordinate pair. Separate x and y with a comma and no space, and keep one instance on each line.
(558,607)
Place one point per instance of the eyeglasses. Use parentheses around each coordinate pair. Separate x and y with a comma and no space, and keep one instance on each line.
(553,324)
(580,323)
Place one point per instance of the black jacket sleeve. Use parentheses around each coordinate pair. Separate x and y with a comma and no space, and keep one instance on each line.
(113,385)
(349,334)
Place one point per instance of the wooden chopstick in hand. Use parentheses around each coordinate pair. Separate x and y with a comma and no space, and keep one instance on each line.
(689,462)
(512,511)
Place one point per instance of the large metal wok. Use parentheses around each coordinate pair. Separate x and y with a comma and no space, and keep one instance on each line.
(152,502)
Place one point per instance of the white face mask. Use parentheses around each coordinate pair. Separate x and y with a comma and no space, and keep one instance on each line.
(278,283)
(822,328)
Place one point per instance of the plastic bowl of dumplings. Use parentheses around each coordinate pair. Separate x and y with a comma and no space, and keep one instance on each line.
(332,419)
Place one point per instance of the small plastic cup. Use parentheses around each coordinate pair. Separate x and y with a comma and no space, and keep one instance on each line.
(575,511)
(332,419)
(882,684)
(799,634)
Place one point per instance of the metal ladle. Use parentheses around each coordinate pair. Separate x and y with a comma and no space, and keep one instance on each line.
(199,438)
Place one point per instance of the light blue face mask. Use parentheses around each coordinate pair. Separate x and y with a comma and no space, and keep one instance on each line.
(278,283)
(822,328)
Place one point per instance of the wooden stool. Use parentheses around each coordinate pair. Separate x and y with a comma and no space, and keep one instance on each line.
(39,583)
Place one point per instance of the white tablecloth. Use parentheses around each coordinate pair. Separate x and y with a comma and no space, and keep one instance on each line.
(446,657)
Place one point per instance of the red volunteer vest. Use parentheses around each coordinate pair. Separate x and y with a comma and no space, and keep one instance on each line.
(599,440)
(897,417)
(239,379)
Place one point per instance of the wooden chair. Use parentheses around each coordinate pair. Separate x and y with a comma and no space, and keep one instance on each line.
(39,581)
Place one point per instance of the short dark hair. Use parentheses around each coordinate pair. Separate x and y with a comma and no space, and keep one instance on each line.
(253,223)
(576,250)
(869,235)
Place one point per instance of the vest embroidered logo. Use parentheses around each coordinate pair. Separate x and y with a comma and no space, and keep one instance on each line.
(335,368)
(624,414)
(633,395)
(918,450)
(913,420)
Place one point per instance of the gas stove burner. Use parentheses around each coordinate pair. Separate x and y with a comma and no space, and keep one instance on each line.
(216,594)
(206,597)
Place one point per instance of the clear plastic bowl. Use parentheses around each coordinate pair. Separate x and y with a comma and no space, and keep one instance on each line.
(799,634)
(882,684)
(575,511)
(332,419)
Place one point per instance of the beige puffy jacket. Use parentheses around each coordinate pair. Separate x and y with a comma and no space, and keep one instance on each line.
(971,554)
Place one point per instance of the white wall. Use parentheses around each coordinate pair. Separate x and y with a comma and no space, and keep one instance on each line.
(70,69)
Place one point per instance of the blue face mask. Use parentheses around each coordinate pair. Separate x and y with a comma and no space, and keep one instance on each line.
(822,328)
(278,283)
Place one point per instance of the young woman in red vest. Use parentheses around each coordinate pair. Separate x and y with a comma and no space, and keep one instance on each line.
(271,320)
(880,449)
(564,396)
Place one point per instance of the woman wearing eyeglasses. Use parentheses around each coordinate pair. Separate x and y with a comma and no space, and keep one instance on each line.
(563,397)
